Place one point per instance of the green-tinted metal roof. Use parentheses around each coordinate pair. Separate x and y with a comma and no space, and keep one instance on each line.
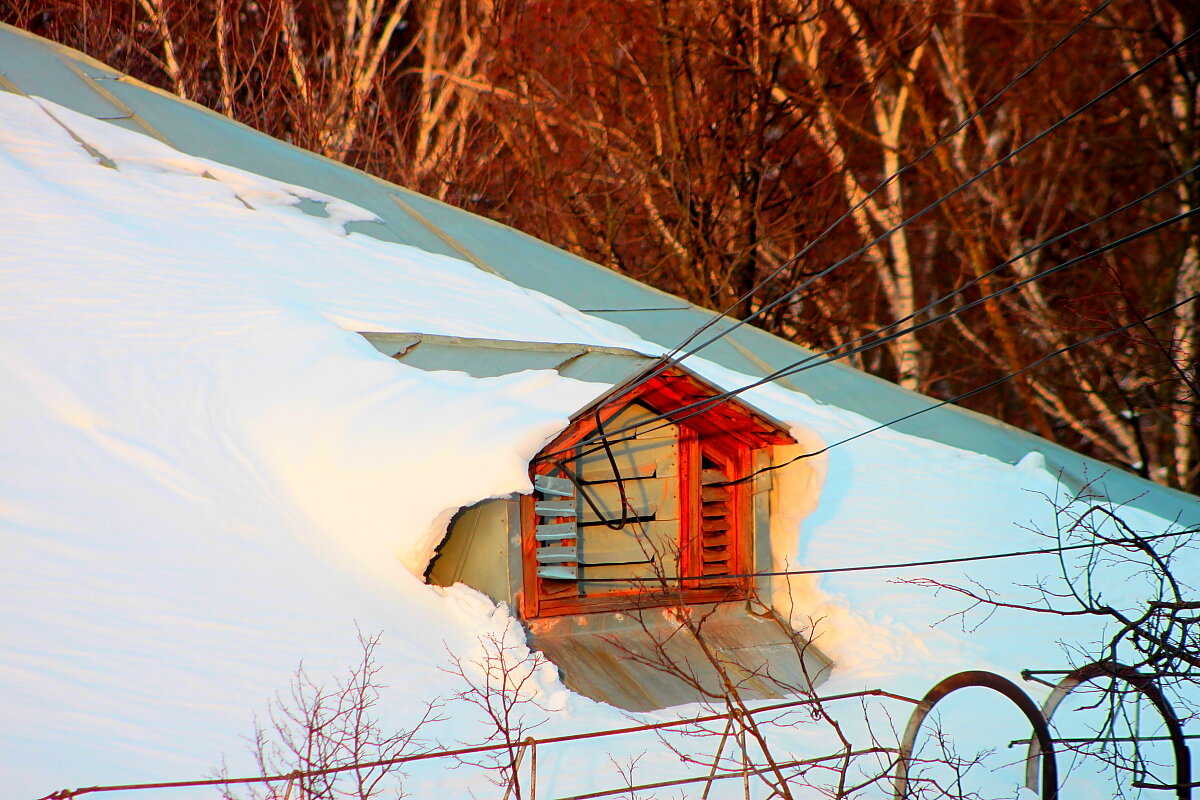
(36,67)
(488,358)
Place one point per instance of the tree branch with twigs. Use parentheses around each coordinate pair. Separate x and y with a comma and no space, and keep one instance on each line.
(317,726)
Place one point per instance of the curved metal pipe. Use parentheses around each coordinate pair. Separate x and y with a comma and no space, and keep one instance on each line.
(985,680)
(1144,684)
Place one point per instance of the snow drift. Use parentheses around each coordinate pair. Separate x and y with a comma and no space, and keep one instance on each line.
(206,475)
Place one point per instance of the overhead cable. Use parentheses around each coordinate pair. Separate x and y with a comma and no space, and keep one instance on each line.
(963,123)
(903,564)
(836,353)
(957,190)
(660,364)
(990,384)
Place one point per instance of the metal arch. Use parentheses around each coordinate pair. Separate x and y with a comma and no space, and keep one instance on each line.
(985,680)
(1144,684)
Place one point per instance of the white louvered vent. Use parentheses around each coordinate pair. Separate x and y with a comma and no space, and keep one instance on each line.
(556,561)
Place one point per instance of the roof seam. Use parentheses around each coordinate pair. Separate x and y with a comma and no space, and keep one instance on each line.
(91,150)
(504,344)
(445,237)
(91,83)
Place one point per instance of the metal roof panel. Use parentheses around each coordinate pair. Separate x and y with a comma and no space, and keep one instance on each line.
(39,67)
(535,264)
(478,362)
(488,358)
(38,71)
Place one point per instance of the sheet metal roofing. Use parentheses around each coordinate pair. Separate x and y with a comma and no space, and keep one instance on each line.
(36,67)
(488,358)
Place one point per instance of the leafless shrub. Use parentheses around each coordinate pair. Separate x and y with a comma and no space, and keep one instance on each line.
(315,727)
(500,682)
(1130,581)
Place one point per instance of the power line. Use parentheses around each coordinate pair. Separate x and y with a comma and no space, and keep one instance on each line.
(961,187)
(67,794)
(860,434)
(1008,262)
(666,359)
(819,359)
(919,214)
(801,366)
(932,562)
(1004,378)
(806,363)
(970,393)
(900,564)
(661,364)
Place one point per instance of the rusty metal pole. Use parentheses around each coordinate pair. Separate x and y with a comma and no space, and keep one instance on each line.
(513,779)
(532,742)
(717,759)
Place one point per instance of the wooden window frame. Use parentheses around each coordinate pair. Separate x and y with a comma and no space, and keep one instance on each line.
(728,433)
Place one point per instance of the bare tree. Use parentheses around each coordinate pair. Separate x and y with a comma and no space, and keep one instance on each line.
(1171,105)
(1129,580)
(500,682)
(317,727)
(879,56)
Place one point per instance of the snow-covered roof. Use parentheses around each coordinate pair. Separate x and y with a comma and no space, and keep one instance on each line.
(489,358)
(207,474)
(39,68)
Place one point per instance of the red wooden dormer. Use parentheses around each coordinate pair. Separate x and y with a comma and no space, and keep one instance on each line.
(671,524)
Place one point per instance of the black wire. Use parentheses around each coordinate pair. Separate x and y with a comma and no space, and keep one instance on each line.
(970,393)
(1010,261)
(616,474)
(833,354)
(582,564)
(827,448)
(801,366)
(615,525)
(702,406)
(976,390)
(960,188)
(665,360)
(910,564)
(659,365)
(1004,378)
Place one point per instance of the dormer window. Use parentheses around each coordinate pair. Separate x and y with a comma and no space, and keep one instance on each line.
(671,513)
(653,512)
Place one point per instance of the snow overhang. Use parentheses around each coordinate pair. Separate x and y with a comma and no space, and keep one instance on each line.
(490,358)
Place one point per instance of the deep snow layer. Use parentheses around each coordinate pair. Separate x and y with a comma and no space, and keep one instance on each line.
(207,476)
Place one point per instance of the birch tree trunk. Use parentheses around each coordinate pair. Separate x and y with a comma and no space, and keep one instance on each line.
(887,102)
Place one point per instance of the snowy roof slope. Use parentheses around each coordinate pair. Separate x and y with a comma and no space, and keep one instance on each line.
(40,68)
(206,475)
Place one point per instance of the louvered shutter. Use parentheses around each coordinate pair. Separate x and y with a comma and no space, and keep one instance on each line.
(717,534)
(556,501)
